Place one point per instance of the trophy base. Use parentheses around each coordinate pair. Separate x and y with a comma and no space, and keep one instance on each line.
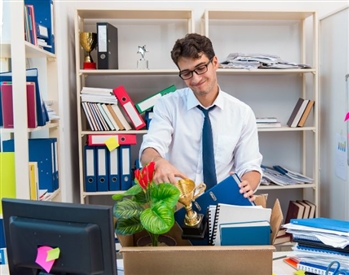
(195,232)
(142,64)
(89,66)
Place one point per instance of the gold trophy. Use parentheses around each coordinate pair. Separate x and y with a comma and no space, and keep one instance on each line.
(88,41)
(194,225)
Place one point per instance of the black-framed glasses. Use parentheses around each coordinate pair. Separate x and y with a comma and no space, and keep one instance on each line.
(201,69)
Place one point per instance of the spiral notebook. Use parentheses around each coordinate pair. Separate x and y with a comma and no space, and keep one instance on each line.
(226,213)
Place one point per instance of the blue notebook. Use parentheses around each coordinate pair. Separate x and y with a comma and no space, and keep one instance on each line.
(245,233)
(324,223)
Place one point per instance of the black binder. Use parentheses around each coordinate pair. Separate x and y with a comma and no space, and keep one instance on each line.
(107,46)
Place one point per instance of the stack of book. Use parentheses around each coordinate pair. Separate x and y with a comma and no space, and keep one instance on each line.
(267,122)
(300,209)
(319,242)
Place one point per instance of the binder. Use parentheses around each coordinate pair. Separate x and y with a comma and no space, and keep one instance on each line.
(245,233)
(107,50)
(40,151)
(2,256)
(227,191)
(44,16)
(102,168)
(32,76)
(90,172)
(2,236)
(7,105)
(99,140)
(114,178)
(129,107)
(55,170)
(125,166)
(149,102)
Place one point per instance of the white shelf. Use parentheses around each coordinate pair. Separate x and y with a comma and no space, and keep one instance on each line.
(49,125)
(31,51)
(294,186)
(137,132)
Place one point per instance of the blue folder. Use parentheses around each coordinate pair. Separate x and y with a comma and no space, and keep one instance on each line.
(2,234)
(324,223)
(102,168)
(114,174)
(40,151)
(90,168)
(227,191)
(125,166)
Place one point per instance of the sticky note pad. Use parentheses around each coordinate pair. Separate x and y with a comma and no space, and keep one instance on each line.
(112,143)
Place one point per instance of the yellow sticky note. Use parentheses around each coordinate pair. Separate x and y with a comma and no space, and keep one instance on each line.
(299,272)
(112,143)
(53,254)
(7,176)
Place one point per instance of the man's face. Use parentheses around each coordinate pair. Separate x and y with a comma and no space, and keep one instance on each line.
(204,84)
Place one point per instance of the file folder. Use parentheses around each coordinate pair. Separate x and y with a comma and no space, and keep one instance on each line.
(40,151)
(90,169)
(102,168)
(7,176)
(114,178)
(123,139)
(32,76)
(129,107)
(107,44)
(125,166)
(2,235)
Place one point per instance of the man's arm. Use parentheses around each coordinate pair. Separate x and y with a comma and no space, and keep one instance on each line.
(164,170)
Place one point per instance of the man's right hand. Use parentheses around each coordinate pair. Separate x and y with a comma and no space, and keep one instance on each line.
(166,172)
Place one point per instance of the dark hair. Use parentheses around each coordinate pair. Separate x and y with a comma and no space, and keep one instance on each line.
(192,46)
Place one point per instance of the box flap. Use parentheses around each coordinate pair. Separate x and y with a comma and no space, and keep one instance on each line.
(275,220)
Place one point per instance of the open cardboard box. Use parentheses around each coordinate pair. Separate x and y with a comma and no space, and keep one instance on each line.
(187,259)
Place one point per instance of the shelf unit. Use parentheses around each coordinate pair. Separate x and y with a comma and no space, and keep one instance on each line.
(255,31)
(165,26)
(19,51)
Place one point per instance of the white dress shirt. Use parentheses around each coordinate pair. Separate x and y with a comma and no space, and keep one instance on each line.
(176,133)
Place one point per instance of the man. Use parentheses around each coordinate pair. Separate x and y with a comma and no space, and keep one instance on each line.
(175,137)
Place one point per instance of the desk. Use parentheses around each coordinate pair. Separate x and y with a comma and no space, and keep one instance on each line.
(279,267)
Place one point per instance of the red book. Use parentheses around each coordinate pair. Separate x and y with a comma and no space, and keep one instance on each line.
(7,105)
(128,106)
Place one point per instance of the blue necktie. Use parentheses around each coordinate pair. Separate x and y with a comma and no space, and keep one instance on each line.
(209,167)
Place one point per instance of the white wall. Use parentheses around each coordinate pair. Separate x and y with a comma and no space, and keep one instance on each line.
(66,52)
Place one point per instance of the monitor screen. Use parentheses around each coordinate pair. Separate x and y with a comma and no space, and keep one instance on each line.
(83,234)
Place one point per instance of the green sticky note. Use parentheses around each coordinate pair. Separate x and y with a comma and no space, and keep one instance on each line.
(53,254)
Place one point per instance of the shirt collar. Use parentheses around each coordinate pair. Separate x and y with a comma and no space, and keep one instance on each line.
(192,101)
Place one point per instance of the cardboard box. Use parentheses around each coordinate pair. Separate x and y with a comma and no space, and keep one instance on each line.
(201,260)
(187,259)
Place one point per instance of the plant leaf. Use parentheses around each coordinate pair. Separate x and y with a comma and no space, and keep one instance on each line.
(128,226)
(126,209)
(134,190)
(166,193)
(158,219)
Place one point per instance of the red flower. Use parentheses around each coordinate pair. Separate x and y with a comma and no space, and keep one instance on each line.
(145,176)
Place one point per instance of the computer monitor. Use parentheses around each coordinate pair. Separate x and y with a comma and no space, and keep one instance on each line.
(84,235)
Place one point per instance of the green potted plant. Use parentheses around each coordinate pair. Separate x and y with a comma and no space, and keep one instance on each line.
(146,206)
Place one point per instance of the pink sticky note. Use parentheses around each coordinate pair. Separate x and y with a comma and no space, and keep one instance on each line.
(41,258)
(346,117)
